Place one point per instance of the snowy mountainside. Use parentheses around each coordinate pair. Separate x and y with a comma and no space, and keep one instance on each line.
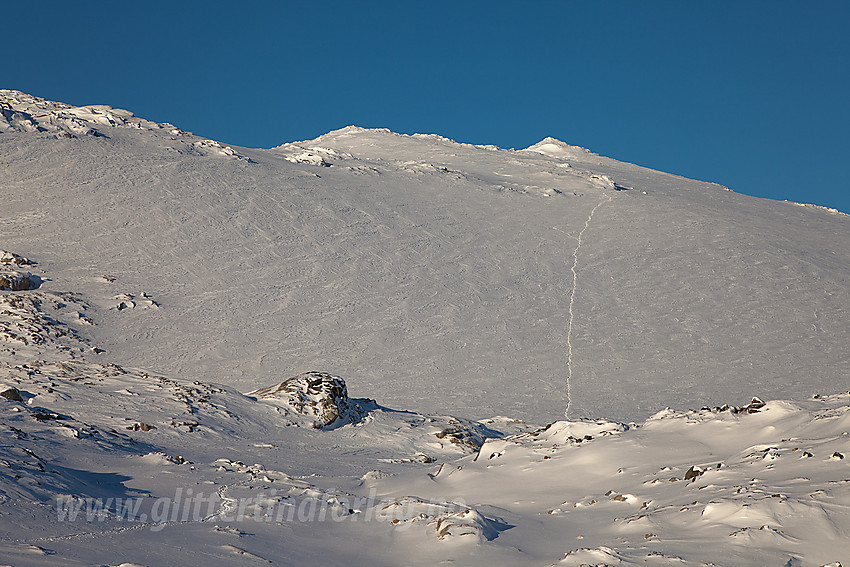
(140,464)
(165,297)
(408,262)
(684,284)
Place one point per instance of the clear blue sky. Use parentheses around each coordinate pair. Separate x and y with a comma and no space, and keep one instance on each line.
(753,95)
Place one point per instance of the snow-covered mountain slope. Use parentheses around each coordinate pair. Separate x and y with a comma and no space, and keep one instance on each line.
(299,473)
(105,464)
(177,317)
(426,271)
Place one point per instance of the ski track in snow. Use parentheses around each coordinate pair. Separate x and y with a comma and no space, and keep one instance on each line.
(608,199)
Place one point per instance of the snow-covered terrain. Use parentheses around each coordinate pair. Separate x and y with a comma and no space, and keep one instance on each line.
(189,333)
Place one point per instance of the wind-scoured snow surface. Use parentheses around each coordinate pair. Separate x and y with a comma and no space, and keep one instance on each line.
(189,333)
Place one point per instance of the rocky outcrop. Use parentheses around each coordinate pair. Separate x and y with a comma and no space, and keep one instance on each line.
(10,393)
(12,259)
(21,112)
(10,278)
(316,395)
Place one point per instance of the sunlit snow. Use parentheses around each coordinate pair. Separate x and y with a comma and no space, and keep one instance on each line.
(347,351)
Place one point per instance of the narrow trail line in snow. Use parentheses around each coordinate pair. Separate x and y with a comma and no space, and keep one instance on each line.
(608,199)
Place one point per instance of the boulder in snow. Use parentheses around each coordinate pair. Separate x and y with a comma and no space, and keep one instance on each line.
(11,280)
(317,395)
(10,393)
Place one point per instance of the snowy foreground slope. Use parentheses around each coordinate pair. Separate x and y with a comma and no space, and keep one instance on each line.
(164,294)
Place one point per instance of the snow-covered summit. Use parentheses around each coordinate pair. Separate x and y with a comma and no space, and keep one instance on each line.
(374,135)
(383,144)
(553,147)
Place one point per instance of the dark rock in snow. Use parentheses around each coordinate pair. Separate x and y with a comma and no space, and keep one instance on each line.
(12,394)
(754,406)
(9,258)
(318,395)
(10,280)
(693,473)
(141,426)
